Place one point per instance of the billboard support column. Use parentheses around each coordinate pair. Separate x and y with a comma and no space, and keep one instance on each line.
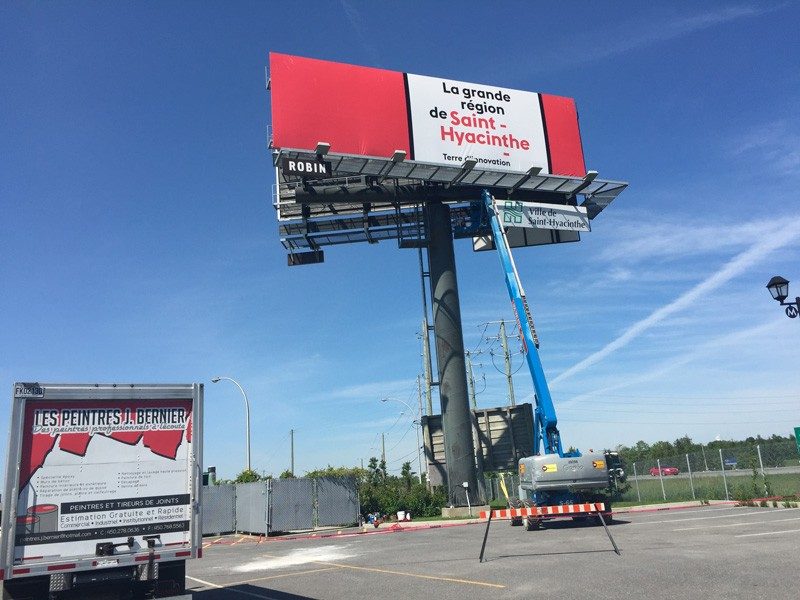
(456,415)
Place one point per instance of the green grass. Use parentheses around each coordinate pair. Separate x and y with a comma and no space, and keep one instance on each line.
(708,487)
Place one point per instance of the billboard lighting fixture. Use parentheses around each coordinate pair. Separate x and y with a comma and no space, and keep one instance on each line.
(587,181)
(398,156)
(532,172)
(322,148)
(468,165)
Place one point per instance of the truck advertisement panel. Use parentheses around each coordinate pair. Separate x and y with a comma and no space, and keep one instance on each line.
(373,112)
(94,470)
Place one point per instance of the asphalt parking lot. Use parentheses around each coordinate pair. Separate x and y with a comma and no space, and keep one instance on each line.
(711,552)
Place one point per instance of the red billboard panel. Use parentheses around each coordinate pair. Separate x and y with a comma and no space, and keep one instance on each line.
(373,112)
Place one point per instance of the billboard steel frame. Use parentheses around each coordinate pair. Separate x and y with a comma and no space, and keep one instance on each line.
(421,205)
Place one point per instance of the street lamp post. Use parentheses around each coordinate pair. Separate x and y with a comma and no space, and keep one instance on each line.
(247,413)
(779,288)
(418,422)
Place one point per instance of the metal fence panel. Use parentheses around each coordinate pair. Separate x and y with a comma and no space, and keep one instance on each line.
(219,509)
(252,500)
(337,501)
(291,504)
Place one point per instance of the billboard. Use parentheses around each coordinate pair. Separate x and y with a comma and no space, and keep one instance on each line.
(374,112)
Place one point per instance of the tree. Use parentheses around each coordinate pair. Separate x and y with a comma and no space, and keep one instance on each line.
(247,476)
(685,445)
(387,494)
(406,475)
(287,474)
(361,475)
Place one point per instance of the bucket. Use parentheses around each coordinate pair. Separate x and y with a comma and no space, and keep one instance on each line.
(27,524)
(47,515)
(401,515)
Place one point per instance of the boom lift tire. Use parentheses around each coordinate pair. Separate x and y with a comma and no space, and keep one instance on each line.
(580,520)
(531,524)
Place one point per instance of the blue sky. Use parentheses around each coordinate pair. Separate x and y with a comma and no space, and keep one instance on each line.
(138,240)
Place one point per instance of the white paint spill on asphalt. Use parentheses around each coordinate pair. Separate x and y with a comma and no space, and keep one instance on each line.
(297,557)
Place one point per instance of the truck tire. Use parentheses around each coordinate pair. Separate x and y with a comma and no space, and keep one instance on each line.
(580,520)
(531,524)
(27,588)
(172,574)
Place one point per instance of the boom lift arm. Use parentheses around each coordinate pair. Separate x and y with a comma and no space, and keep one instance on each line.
(545,422)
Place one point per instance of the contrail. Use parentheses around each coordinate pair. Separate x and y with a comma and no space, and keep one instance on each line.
(730,339)
(733,268)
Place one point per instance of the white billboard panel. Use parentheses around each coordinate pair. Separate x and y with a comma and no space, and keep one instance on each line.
(454,120)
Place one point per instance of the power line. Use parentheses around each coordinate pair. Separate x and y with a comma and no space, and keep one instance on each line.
(401,437)
(682,396)
(391,462)
(659,422)
(661,412)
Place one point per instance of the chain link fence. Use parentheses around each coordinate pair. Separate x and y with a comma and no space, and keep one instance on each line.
(494,490)
(336,501)
(219,509)
(737,473)
(291,504)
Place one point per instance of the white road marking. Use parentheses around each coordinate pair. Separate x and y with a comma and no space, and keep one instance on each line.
(747,514)
(232,590)
(661,513)
(768,533)
(737,524)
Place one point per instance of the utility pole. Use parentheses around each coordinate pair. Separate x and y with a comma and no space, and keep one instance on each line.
(426,364)
(509,379)
(291,435)
(383,448)
(470,379)
(419,425)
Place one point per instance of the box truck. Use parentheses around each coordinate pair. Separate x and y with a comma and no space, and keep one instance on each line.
(102,491)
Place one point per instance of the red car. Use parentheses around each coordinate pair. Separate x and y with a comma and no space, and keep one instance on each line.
(664,471)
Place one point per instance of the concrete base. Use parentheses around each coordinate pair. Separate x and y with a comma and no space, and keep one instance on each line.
(462,511)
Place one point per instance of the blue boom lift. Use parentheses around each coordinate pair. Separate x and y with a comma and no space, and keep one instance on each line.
(552,477)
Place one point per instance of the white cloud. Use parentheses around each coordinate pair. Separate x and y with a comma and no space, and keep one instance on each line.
(685,358)
(790,231)
(373,391)
(774,145)
(633,36)
(679,238)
